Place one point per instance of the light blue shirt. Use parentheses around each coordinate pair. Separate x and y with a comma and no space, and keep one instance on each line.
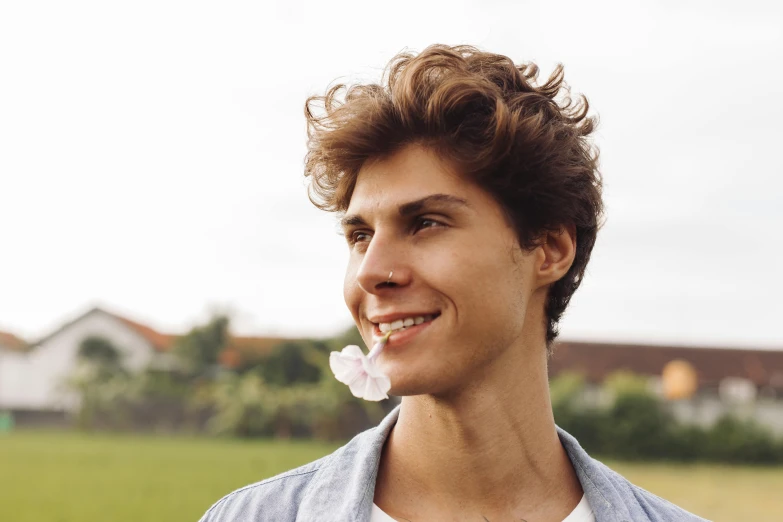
(340,487)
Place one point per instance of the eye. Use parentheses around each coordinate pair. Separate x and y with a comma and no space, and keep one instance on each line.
(422,223)
(359,236)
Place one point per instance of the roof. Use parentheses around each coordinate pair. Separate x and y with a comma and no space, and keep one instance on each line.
(597,360)
(159,341)
(247,349)
(11,342)
(240,349)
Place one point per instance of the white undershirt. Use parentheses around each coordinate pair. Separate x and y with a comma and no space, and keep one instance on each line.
(581,513)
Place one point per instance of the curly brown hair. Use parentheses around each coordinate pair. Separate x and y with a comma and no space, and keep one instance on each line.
(525,144)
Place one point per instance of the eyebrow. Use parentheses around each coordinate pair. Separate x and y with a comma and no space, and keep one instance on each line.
(417,206)
(412,207)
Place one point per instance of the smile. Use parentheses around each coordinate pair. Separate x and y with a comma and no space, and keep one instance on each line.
(403,324)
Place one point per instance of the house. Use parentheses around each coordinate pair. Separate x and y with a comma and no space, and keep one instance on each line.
(12,357)
(745,382)
(32,377)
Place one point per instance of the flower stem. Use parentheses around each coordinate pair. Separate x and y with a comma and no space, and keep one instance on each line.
(376,350)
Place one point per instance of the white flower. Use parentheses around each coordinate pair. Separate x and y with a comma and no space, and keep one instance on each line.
(360,372)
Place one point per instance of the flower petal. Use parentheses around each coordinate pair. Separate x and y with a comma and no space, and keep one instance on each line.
(346,366)
(370,367)
(353,352)
(359,385)
(376,388)
(360,373)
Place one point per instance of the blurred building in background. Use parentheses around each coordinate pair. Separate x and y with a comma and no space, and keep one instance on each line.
(33,376)
(33,379)
(701,383)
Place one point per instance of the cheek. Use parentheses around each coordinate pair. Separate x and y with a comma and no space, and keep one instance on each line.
(495,290)
(351,290)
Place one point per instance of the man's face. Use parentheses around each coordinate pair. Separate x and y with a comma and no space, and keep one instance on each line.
(456,265)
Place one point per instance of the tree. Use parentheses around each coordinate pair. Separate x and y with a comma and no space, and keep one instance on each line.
(100,352)
(198,350)
(293,362)
(100,380)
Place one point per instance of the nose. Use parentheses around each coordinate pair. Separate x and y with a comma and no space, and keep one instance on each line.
(383,258)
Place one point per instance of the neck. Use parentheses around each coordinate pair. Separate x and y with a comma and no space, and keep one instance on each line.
(488,450)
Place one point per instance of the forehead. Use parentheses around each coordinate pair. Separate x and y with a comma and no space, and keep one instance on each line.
(409,174)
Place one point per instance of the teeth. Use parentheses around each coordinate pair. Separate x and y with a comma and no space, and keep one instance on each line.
(402,324)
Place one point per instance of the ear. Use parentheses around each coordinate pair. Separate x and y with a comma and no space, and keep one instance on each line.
(555,255)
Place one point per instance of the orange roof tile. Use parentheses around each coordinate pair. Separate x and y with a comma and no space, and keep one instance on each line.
(255,345)
(247,349)
(12,342)
(238,348)
(159,341)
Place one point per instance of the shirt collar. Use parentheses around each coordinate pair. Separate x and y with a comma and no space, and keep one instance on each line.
(342,490)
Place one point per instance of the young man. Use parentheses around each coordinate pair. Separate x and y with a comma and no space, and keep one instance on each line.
(471,202)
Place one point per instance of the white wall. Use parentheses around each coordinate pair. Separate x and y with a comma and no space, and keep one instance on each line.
(705,411)
(35,380)
(14,373)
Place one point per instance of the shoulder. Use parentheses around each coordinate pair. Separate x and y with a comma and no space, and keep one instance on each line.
(334,488)
(612,496)
(642,503)
(276,498)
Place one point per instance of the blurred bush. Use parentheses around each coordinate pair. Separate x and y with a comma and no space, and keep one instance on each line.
(289,391)
(635,424)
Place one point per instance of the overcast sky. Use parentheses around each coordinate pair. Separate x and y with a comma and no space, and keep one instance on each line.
(151,157)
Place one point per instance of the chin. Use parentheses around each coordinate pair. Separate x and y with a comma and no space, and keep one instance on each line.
(407,391)
(404,385)
(408,385)
(417,370)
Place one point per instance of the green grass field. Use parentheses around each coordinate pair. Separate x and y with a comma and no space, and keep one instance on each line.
(70,477)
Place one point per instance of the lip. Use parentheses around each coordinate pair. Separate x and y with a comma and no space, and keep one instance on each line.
(390,318)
